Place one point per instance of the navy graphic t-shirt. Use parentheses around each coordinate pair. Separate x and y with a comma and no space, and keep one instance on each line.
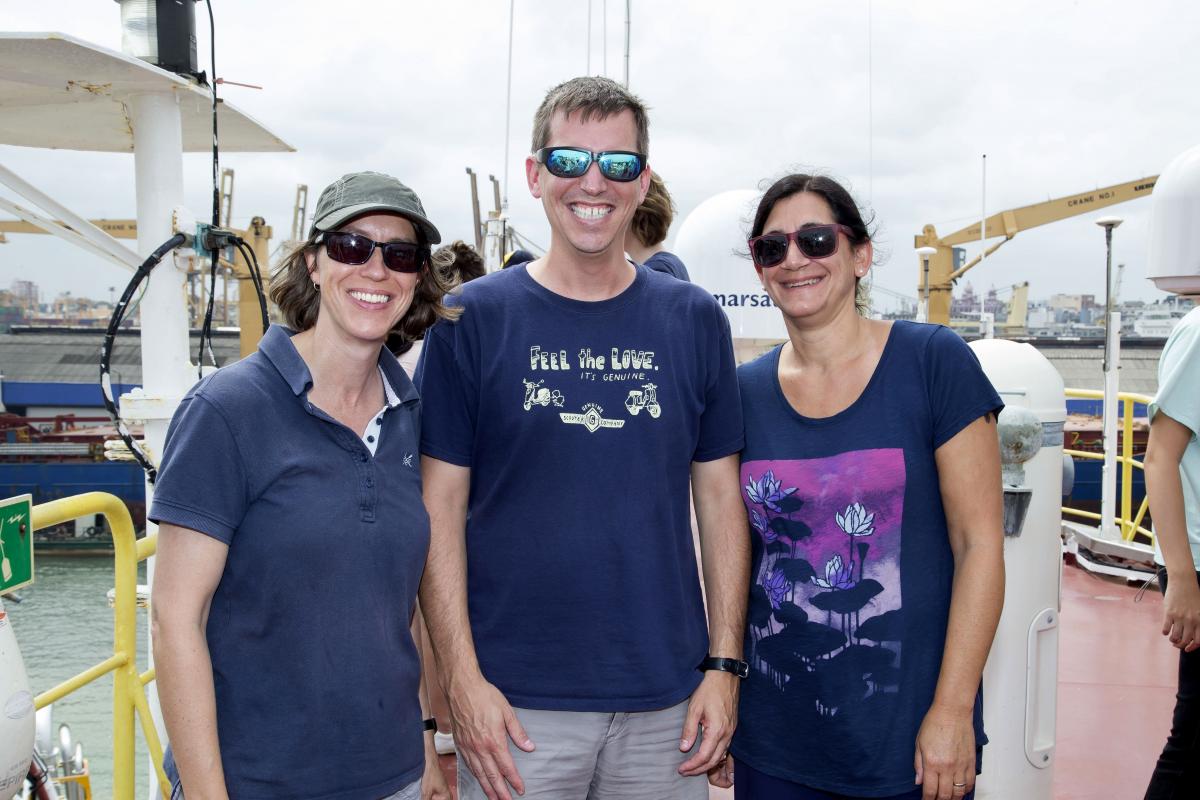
(580,422)
(852,567)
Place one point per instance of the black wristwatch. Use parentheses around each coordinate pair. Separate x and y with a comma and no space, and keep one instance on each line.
(739,668)
(429,724)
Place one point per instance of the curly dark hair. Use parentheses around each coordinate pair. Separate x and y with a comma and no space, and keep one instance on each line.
(841,203)
(299,300)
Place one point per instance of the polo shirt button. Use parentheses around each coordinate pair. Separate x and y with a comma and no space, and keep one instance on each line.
(362,457)
(379,420)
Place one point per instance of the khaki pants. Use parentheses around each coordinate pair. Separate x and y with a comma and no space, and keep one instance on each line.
(585,755)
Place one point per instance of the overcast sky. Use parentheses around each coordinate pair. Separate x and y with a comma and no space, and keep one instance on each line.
(898,99)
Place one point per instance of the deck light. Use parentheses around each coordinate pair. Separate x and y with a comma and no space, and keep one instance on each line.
(162,32)
(1112,355)
(925,253)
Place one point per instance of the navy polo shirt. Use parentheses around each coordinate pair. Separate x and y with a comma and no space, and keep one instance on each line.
(315,672)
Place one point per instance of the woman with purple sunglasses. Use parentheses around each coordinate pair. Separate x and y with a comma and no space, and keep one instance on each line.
(871,477)
(292,534)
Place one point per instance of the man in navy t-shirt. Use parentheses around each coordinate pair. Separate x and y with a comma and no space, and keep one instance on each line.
(564,414)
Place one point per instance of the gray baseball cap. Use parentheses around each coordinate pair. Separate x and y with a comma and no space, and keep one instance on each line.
(361,193)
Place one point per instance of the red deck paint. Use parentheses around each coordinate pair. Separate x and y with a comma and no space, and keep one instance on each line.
(1116,688)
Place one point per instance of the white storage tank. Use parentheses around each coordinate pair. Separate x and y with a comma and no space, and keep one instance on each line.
(1173,262)
(16,712)
(1020,680)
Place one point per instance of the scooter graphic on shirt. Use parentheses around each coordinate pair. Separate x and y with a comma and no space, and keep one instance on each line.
(538,395)
(646,397)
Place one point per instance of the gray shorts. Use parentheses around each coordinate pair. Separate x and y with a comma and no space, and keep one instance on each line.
(585,755)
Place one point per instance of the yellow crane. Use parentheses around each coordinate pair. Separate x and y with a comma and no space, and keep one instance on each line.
(1018,309)
(942,272)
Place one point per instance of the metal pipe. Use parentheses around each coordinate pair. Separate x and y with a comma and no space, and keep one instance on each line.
(983,214)
(1108,497)
(79,681)
(83,228)
(167,372)
(123,663)
(1112,350)
(67,234)
(627,14)
(508,101)
(475,210)
(925,254)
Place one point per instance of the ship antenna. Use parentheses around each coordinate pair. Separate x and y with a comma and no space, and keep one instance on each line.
(508,102)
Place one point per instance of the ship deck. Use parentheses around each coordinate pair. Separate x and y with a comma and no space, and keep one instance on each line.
(1116,690)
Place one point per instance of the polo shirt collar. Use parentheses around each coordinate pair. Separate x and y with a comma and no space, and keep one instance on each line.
(276,346)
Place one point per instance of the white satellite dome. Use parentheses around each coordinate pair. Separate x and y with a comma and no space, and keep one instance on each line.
(712,243)
(1174,259)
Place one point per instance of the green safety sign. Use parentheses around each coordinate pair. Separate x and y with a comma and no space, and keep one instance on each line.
(16,543)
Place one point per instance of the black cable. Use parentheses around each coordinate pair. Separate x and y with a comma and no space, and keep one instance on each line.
(206,326)
(214,253)
(110,334)
(256,276)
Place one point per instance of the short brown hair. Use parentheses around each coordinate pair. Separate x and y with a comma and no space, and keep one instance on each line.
(590,96)
(299,300)
(652,219)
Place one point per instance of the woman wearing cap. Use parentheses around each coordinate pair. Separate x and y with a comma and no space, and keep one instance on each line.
(292,536)
(871,477)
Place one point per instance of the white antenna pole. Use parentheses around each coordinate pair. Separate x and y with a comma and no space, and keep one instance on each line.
(604,37)
(589,39)
(508,101)
(628,3)
(870,115)
(983,215)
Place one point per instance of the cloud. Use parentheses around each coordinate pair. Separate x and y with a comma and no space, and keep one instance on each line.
(900,100)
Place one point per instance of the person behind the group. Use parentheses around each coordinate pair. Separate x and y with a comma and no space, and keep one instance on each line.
(292,533)
(871,474)
(456,264)
(1173,484)
(645,237)
(459,262)
(564,414)
(518,256)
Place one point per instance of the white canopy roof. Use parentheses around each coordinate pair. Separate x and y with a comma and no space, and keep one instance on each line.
(60,92)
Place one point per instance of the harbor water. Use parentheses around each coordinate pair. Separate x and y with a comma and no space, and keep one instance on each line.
(64,625)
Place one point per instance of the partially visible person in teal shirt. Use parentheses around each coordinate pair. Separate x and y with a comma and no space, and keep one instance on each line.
(1173,483)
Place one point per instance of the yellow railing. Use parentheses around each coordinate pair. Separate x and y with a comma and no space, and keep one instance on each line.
(129,696)
(1131,526)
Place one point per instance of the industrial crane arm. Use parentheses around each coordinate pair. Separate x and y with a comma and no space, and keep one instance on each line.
(941,273)
(1008,223)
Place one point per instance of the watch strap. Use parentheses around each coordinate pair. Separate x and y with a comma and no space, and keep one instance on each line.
(731,665)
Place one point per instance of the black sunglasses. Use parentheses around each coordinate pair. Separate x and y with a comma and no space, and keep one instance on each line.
(571,162)
(816,241)
(354,248)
